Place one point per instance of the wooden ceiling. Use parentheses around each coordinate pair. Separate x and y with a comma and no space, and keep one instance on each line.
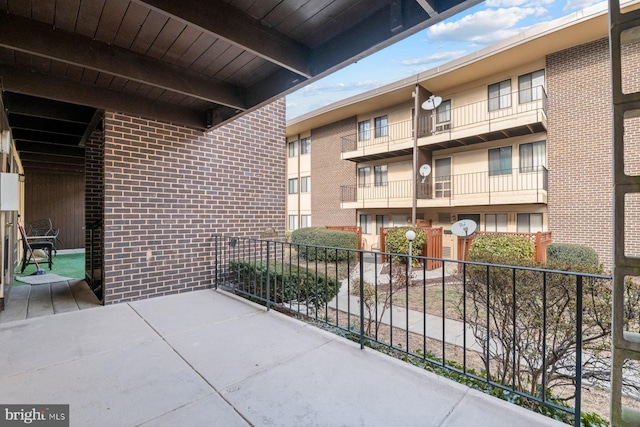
(198,63)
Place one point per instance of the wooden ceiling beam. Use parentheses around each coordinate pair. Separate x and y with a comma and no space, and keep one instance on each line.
(45,86)
(224,21)
(37,38)
(44,148)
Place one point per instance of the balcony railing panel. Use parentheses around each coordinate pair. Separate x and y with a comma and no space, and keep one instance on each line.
(485,183)
(493,326)
(495,113)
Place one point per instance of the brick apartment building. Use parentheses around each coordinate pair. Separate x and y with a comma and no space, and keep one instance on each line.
(521,142)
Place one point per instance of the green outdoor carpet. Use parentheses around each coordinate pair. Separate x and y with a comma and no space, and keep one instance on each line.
(71,265)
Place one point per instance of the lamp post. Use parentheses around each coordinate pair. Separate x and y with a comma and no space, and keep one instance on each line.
(410,235)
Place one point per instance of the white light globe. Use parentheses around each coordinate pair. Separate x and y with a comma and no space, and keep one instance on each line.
(410,235)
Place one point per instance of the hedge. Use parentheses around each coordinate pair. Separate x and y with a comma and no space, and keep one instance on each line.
(286,282)
(397,242)
(325,238)
(502,249)
(577,254)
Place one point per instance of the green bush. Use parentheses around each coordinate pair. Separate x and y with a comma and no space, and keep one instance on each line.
(577,254)
(397,242)
(286,282)
(320,236)
(502,249)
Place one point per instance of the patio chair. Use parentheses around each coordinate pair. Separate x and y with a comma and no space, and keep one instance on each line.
(28,257)
(44,228)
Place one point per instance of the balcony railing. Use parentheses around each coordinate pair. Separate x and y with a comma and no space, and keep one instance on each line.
(514,332)
(488,183)
(491,111)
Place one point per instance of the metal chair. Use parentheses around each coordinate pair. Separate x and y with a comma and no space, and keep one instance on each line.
(28,257)
(44,228)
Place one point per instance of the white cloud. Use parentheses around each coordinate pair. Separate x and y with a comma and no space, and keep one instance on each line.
(516,3)
(579,4)
(436,57)
(483,27)
(315,89)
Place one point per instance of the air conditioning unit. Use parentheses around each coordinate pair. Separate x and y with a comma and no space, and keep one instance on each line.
(442,127)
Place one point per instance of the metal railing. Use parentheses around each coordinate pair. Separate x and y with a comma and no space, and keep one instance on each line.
(495,325)
(487,111)
(448,187)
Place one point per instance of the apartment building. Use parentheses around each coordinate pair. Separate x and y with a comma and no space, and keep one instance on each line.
(515,137)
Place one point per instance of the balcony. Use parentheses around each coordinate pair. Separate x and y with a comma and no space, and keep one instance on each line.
(514,114)
(515,186)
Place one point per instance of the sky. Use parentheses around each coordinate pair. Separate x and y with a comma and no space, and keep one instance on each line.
(475,28)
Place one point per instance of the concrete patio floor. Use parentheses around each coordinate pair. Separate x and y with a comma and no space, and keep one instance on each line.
(208,358)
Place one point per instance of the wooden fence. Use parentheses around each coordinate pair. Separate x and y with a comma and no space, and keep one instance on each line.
(540,239)
(431,249)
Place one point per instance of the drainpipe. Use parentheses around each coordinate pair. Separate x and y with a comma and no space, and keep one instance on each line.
(414,169)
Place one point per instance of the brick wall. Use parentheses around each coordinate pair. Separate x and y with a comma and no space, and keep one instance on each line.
(580,147)
(168,189)
(94,195)
(328,173)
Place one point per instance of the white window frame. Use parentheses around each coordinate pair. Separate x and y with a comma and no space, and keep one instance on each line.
(305,146)
(364,130)
(499,95)
(305,184)
(292,222)
(293,186)
(533,156)
(365,223)
(381,126)
(496,222)
(364,176)
(503,168)
(293,149)
(523,218)
(305,221)
(380,175)
(530,86)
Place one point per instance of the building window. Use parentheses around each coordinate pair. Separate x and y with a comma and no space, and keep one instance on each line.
(500,95)
(364,130)
(365,223)
(529,223)
(363,176)
(293,149)
(305,146)
(293,186)
(443,177)
(380,175)
(500,161)
(382,221)
(293,222)
(305,184)
(305,221)
(533,156)
(443,112)
(495,222)
(381,128)
(531,86)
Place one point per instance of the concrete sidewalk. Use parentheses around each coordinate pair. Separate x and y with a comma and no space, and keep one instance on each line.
(207,358)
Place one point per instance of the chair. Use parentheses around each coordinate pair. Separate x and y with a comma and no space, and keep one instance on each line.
(44,228)
(28,257)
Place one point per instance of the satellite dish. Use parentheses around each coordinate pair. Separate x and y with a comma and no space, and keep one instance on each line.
(425,170)
(464,227)
(432,103)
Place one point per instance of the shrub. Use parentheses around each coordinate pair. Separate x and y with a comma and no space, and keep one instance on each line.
(324,238)
(577,254)
(286,282)
(502,249)
(397,242)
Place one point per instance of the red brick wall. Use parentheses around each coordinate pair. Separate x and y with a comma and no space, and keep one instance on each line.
(328,173)
(168,189)
(580,147)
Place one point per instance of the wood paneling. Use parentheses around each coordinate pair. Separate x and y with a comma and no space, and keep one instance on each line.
(61,198)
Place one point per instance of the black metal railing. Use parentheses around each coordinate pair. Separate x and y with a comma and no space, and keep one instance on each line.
(94,268)
(495,325)
(448,187)
(488,111)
